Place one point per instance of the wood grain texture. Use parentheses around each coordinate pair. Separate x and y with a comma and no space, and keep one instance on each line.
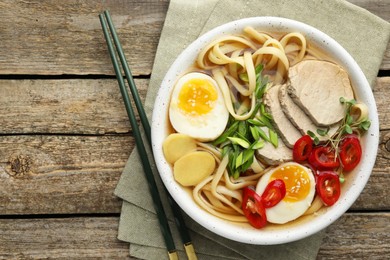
(357,236)
(61,174)
(83,170)
(61,238)
(353,236)
(44,174)
(72,106)
(377,7)
(66,38)
(76,172)
(64,140)
(381,9)
(92,106)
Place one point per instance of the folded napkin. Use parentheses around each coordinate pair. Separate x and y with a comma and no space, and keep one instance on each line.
(361,33)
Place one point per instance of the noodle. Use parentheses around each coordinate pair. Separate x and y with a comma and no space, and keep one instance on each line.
(250,69)
(206,205)
(260,37)
(220,79)
(217,53)
(217,177)
(228,58)
(286,39)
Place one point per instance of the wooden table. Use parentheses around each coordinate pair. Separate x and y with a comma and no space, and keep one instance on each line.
(65,136)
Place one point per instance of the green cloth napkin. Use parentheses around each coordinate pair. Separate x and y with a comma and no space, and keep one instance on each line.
(361,33)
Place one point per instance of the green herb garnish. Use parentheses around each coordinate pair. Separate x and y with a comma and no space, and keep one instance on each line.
(242,138)
(349,125)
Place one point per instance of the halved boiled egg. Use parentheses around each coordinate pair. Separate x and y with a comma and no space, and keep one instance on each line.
(197,107)
(300,191)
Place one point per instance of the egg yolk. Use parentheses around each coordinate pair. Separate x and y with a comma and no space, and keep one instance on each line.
(197,96)
(296,180)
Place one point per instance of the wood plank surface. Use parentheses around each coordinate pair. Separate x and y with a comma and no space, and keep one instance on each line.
(92,106)
(66,38)
(92,164)
(358,236)
(65,136)
(353,236)
(45,174)
(34,157)
(61,174)
(62,238)
(377,7)
(71,106)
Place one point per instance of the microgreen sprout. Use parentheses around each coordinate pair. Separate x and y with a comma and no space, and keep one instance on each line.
(349,125)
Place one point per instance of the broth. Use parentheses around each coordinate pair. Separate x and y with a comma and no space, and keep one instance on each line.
(311,52)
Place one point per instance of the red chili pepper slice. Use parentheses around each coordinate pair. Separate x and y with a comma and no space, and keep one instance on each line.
(328,187)
(323,158)
(253,208)
(273,193)
(350,152)
(302,148)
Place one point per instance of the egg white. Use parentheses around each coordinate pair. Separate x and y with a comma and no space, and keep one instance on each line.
(205,127)
(286,211)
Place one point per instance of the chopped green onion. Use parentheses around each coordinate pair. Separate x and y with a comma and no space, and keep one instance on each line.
(255,110)
(244,77)
(258,69)
(248,154)
(263,134)
(273,137)
(265,121)
(243,137)
(239,141)
(227,133)
(255,122)
(258,145)
(262,109)
(242,129)
(255,132)
(239,160)
(236,174)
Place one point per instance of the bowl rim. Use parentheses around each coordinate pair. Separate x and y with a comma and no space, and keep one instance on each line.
(245,234)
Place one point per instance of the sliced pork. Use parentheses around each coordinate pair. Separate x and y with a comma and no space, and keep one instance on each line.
(274,156)
(285,129)
(298,117)
(316,87)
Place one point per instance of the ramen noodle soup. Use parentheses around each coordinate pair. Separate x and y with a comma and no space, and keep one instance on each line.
(265,128)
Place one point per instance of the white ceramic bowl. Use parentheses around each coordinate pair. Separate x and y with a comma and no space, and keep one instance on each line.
(305,226)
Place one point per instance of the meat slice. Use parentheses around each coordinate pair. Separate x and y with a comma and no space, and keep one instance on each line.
(298,117)
(272,155)
(285,129)
(316,87)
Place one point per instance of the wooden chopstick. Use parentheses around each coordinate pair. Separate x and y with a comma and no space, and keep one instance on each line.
(142,151)
(184,234)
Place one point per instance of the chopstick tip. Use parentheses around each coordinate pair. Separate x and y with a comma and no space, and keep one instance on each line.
(190,251)
(173,255)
